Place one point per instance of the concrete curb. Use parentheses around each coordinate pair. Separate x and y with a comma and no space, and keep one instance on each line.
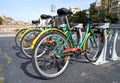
(7,34)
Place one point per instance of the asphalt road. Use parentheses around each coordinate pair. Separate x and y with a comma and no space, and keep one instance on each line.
(18,69)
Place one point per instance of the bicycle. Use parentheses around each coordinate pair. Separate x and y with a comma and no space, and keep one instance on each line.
(30,34)
(57,48)
(18,34)
(21,31)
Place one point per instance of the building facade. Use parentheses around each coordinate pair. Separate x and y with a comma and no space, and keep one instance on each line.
(74,10)
(115,7)
(105,4)
(95,5)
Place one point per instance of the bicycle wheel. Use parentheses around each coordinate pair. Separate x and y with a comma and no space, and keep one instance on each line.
(49,64)
(93,47)
(17,37)
(27,41)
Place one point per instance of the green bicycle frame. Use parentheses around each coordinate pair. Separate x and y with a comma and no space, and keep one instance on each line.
(80,45)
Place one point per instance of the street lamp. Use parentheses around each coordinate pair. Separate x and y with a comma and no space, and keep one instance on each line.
(52,8)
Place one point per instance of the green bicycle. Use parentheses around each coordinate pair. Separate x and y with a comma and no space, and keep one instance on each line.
(55,48)
(22,31)
(30,34)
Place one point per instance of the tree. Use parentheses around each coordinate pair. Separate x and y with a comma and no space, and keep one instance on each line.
(102,15)
(79,17)
(1,19)
(112,18)
(96,16)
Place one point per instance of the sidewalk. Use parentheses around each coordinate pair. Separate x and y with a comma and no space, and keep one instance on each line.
(7,34)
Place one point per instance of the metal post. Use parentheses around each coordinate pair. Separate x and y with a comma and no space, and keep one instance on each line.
(113,53)
(102,57)
(53,9)
(109,44)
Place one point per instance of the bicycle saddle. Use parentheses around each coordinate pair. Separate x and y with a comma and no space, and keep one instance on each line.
(44,16)
(63,11)
(35,21)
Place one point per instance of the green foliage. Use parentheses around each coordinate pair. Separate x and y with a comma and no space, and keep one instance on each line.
(102,15)
(98,15)
(79,17)
(112,18)
(1,20)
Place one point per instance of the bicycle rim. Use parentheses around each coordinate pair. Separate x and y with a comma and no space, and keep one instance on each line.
(49,64)
(27,41)
(92,47)
(17,37)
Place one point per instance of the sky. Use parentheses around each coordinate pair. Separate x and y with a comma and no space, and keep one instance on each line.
(28,10)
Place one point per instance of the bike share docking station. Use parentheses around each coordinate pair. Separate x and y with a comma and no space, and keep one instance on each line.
(108,52)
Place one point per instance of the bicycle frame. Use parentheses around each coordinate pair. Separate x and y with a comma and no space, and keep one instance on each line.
(65,30)
(44,31)
(80,45)
(68,33)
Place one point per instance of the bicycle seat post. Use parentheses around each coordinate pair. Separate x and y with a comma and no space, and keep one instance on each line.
(66,18)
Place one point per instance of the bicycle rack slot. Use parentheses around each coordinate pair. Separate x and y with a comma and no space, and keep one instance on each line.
(108,52)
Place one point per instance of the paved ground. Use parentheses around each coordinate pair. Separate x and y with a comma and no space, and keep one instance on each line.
(15,68)
(7,34)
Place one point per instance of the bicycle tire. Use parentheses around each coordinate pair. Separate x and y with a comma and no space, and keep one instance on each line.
(17,37)
(92,52)
(35,60)
(26,42)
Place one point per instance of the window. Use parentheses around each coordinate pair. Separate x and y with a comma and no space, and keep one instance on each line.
(115,3)
(115,9)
